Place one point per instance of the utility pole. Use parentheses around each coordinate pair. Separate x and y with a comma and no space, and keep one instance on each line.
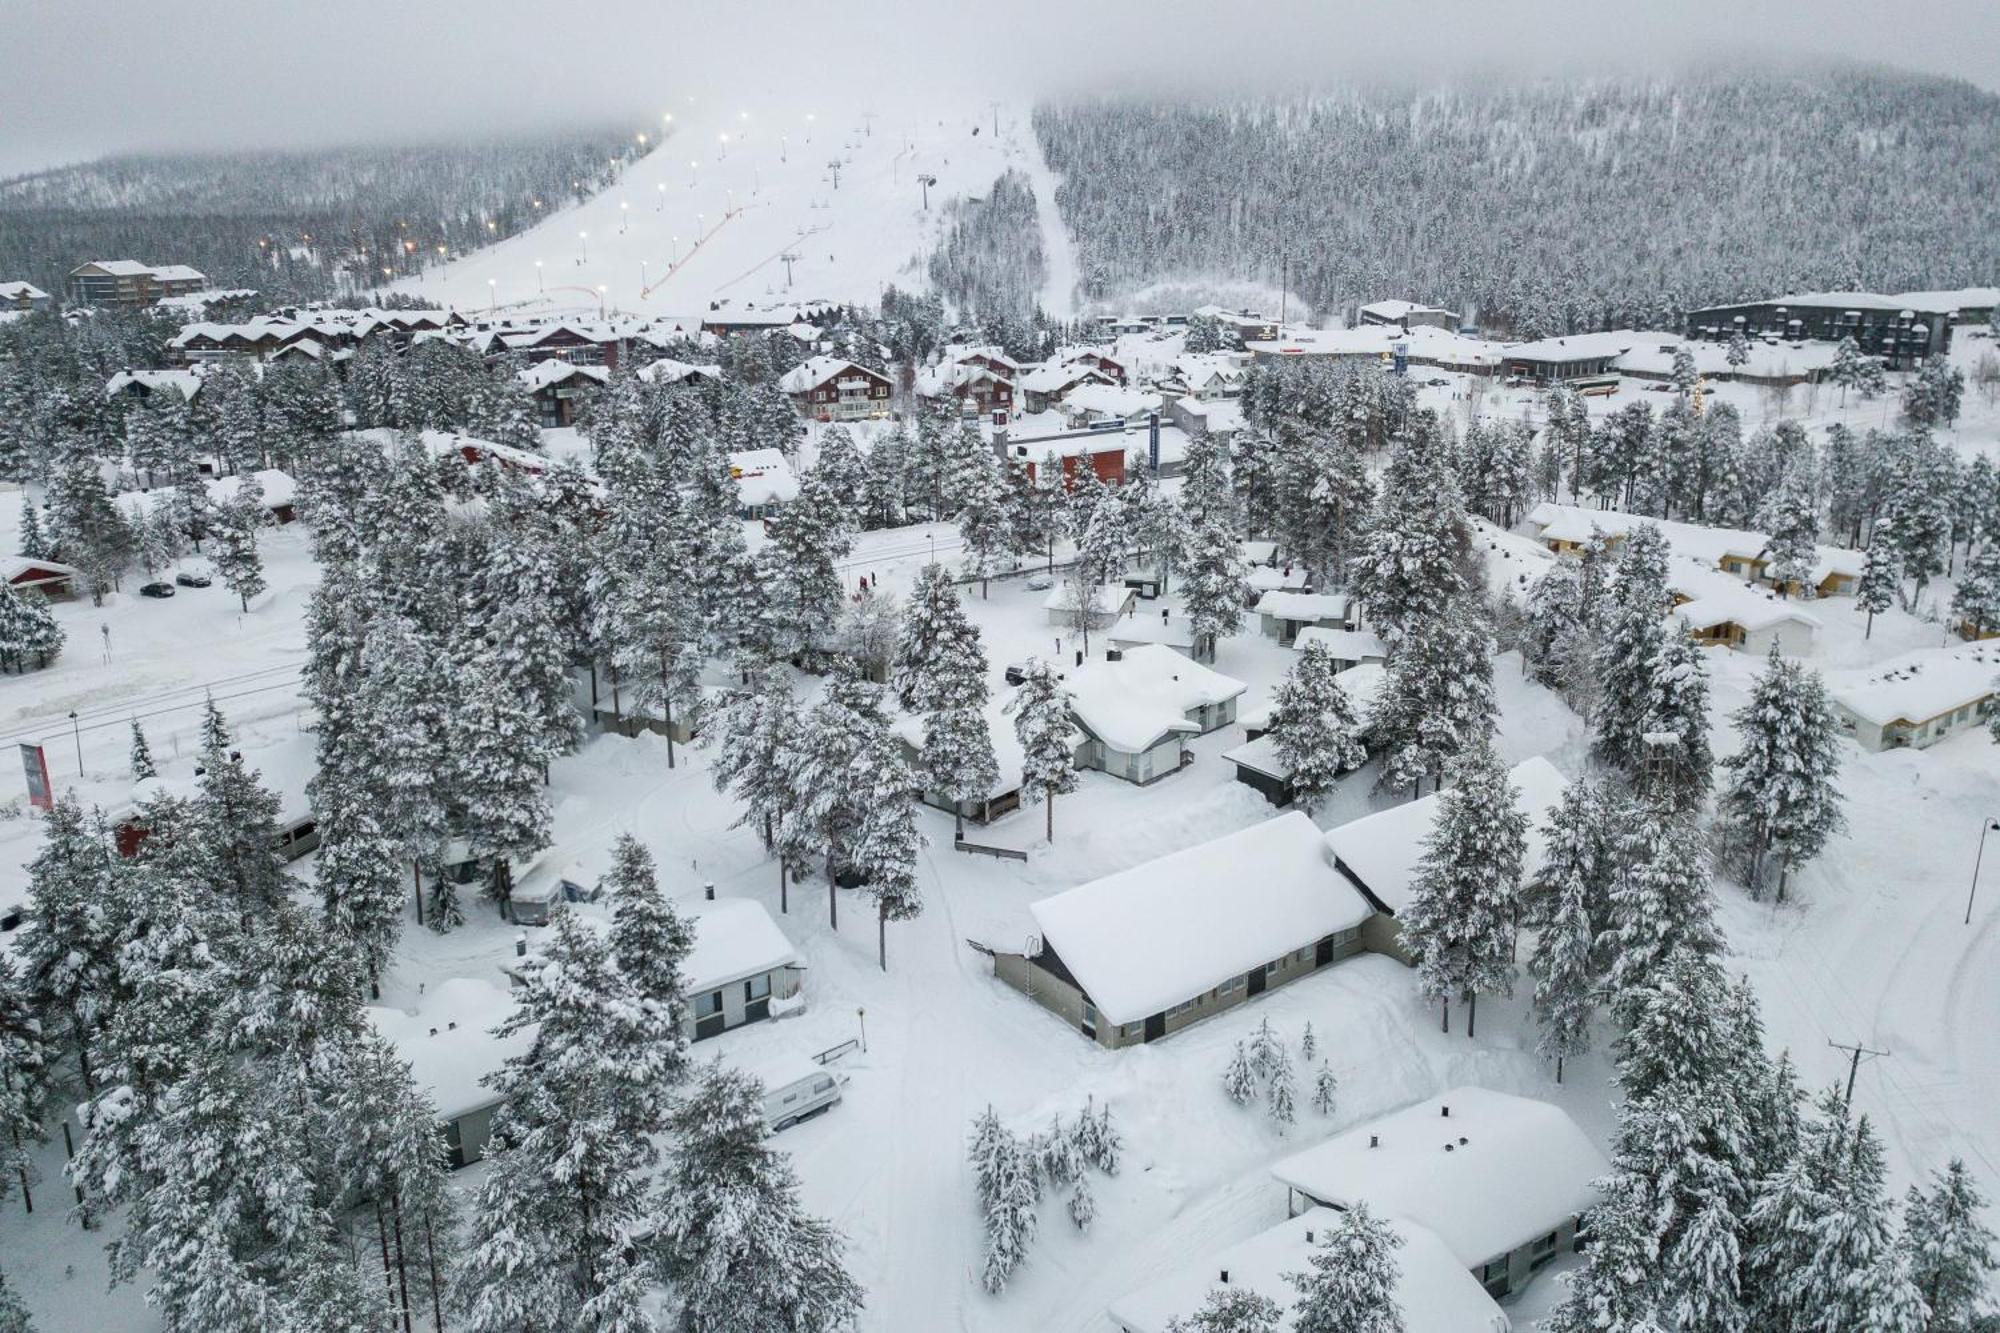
(1856,1050)
(1284,285)
(788,259)
(1991,826)
(868,123)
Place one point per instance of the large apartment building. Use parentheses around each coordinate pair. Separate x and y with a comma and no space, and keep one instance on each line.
(127,282)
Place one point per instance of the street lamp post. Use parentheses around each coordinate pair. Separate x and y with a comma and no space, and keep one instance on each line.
(492,295)
(624,215)
(1971,893)
(76,729)
(538,277)
(583,240)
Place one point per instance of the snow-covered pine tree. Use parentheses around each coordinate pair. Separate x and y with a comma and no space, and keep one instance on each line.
(1460,919)
(1239,1077)
(1782,793)
(1628,648)
(25,1071)
(1618,1286)
(1308,1043)
(1011,1220)
(236,826)
(1041,721)
(740,1249)
(986,521)
(799,566)
(1975,605)
(760,723)
(1313,726)
(986,1150)
(1791,518)
(1212,577)
(1948,1248)
(1438,697)
(938,662)
(496,772)
(554,1219)
(1677,708)
(31,541)
(1881,576)
(1326,1087)
(1570,910)
(14,1316)
(886,841)
(1349,1283)
(1846,370)
(235,556)
(1082,1204)
(846,473)
(142,754)
(1660,901)
(30,635)
(650,943)
(1408,569)
(361,869)
(1230,1310)
(1283,1099)
(1266,1051)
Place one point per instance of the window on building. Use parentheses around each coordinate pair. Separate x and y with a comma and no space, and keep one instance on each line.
(1130,1029)
(757,988)
(708,1005)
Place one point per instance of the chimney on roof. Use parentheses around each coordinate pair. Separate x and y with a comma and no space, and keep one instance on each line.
(1447,1111)
(1225,1277)
(708,892)
(1462,1140)
(1374,1140)
(434,1032)
(1447,1147)
(451,1026)
(1309,1237)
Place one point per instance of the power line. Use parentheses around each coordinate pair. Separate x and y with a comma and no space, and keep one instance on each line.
(1857,1050)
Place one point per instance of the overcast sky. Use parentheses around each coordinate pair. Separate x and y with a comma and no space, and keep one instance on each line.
(86,77)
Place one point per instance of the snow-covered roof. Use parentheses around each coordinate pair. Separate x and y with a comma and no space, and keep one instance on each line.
(1218,416)
(1383,850)
(1174,632)
(1105,599)
(1285,605)
(1435,1292)
(1265,578)
(1009,758)
(817,370)
(1513,562)
(1111,400)
(178,273)
(1147,694)
(1920,685)
(1589,346)
(666,370)
(1347,645)
(1716,598)
(1368,340)
(734,938)
(763,476)
(1951,301)
(1574,523)
(43,571)
(121,268)
(21,291)
(1849,300)
(279,488)
(1398,311)
(547,374)
(1712,359)
(1054,378)
(448,1040)
(1494,1173)
(186,381)
(1147,938)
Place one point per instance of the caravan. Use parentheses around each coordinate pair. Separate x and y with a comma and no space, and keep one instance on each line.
(796,1089)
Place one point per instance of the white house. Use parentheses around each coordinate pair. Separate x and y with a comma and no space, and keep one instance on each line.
(448,1040)
(1919,698)
(1503,1181)
(1107,604)
(1743,552)
(741,969)
(1134,712)
(1434,1291)
(1380,853)
(764,481)
(1722,611)
(1143,953)
(1258,764)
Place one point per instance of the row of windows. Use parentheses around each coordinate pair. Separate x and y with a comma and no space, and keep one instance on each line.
(709,1003)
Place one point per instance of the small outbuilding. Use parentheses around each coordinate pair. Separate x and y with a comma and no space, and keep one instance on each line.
(1136,710)
(449,1041)
(1107,604)
(1282,614)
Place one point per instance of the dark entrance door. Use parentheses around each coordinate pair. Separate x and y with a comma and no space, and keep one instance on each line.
(1156,1026)
(1323,952)
(1256,980)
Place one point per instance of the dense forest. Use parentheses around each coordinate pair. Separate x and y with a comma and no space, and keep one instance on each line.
(298,225)
(1547,207)
(989,264)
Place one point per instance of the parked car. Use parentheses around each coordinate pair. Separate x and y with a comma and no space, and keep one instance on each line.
(1016,672)
(193,580)
(157,590)
(1041,582)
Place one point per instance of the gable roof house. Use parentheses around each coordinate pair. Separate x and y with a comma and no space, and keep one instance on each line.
(449,1043)
(1138,955)
(1503,1181)
(1380,853)
(1135,712)
(832,388)
(560,388)
(1258,763)
(1919,698)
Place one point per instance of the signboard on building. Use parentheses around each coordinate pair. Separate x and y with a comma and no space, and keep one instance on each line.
(1402,362)
(35,764)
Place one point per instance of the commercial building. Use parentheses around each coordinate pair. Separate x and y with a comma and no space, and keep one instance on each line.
(127,282)
(1893,328)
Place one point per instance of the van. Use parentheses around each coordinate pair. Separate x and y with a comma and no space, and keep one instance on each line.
(796,1089)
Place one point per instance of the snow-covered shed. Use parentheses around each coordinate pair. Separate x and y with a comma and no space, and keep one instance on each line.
(1107,604)
(449,1041)
(1919,698)
(1502,1180)
(764,481)
(1144,952)
(1380,853)
(1282,614)
(1258,765)
(1135,710)
(741,968)
(53,579)
(1350,648)
(1434,1292)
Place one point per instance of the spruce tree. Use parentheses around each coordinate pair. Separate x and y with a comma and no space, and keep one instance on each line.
(741,1251)
(1212,579)
(1570,911)
(1041,709)
(1948,1248)
(1677,708)
(1881,575)
(497,775)
(1617,1289)
(142,755)
(886,841)
(1975,606)
(235,555)
(1660,902)
(1349,1284)
(650,944)
(1437,699)
(1782,793)
(1313,726)
(1326,1088)
(1628,649)
(1231,1310)
(1459,921)
(1408,569)
(25,1059)
(1791,517)
(1239,1077)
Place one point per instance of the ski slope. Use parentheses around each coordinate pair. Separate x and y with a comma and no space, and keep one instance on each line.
(710,215)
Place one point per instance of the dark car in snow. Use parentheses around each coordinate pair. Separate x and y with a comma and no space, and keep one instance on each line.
(157,590)
(192,580)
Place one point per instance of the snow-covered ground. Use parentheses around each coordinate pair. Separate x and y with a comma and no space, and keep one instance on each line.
(710,214)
